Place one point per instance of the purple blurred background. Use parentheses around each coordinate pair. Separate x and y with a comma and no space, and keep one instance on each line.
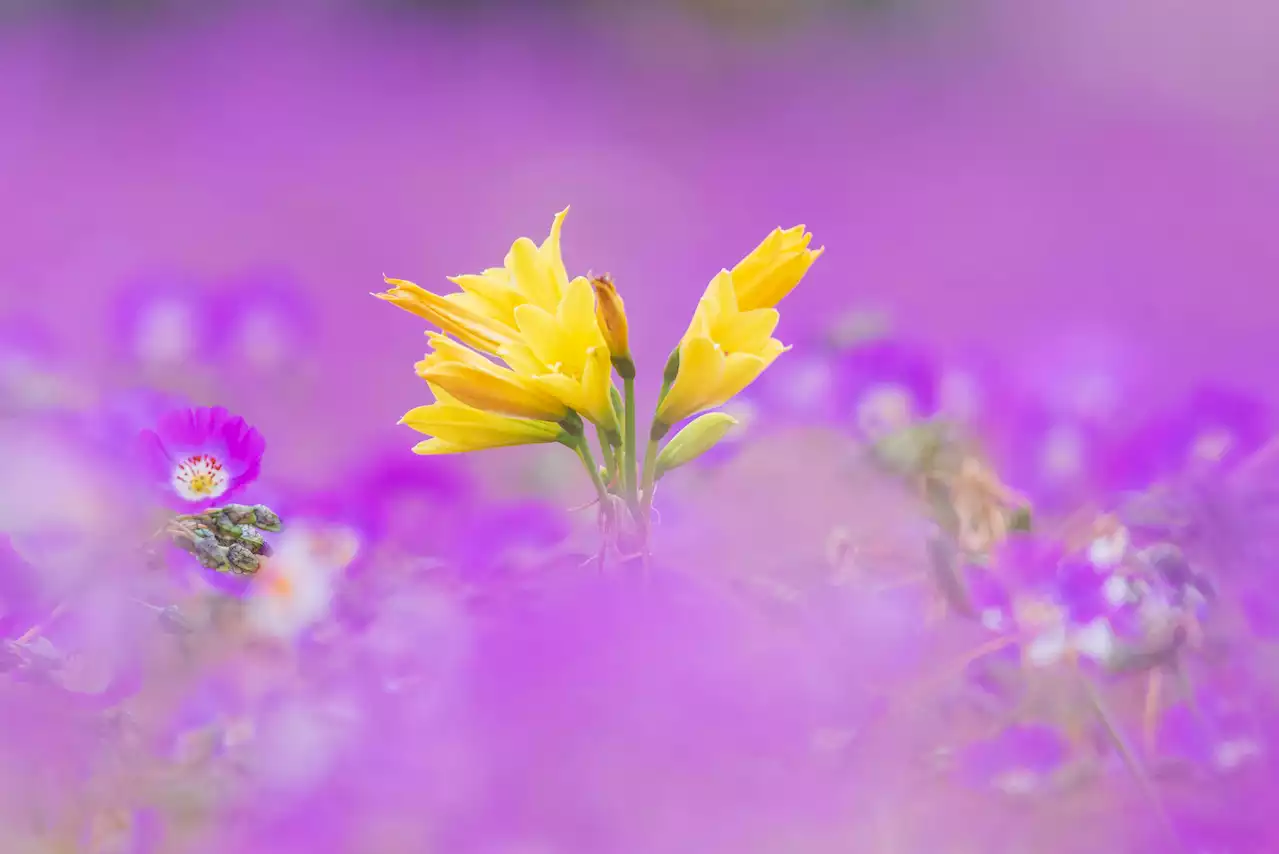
(1008,175)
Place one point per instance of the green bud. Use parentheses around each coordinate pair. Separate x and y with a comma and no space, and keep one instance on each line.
(264,518)
(251,538)
(241,560)
(210,554)
(236,514)
(698,436)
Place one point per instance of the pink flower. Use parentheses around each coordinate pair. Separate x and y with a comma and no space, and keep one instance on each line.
(204,455)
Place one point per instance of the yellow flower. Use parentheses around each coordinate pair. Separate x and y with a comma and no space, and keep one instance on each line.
(566,353)
(474,380)
(456,428)
(723,352)
(611,314)
(774,268)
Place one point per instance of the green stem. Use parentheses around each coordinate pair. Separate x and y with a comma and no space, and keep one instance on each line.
(606,452)
(646,490)
(629,441)
(584,453)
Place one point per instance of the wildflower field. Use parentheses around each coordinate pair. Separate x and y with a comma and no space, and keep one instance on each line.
(589,454)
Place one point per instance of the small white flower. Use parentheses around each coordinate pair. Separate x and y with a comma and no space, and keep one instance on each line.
(1108,551)
(992,618)
(1231,754)
(1047,648)
(1095,640)
(1116,591)
(295,588)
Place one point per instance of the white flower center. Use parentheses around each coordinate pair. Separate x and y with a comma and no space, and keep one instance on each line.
(200,476)
(165,333)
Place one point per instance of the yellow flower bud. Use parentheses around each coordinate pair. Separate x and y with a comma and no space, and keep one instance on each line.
(698,436)
(611,314)
(774,268)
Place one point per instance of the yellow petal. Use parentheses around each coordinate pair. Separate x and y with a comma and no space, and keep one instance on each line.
(446,349)
(435,447)
(742,369)
(579,330)
(541,333)
(748,331)
(701,368)
(496,390)
(597,384)
(530,275)
(479,331)
(489,292)
(567,390)
(522,360)
(550,252)
(472,429)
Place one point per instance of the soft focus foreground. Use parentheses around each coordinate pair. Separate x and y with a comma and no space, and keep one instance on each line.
(985,562)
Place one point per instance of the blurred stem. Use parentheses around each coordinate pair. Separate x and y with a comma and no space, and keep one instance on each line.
(607,452)
(584,454)
(36,630)
(646,488)
(629,442)
(1116,736)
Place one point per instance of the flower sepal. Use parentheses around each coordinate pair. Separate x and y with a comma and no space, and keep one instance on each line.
(694,439)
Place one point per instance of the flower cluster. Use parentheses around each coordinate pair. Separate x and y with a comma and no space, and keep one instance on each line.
(526,355)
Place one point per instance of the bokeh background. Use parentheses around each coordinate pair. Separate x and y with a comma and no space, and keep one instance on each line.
(1001,174)
(1079,196)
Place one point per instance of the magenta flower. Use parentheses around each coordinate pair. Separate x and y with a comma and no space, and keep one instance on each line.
(203,455)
